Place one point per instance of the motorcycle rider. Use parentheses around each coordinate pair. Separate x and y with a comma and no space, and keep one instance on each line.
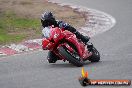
(48,19)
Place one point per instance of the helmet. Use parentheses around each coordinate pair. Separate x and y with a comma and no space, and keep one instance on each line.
(47,19)
(47,16)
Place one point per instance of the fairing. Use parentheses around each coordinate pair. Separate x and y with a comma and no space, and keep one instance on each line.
(57,35)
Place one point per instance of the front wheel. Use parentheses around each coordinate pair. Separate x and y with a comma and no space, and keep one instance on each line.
(74,59)
(95,57)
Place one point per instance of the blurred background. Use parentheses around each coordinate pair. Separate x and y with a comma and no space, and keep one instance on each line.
(20,19)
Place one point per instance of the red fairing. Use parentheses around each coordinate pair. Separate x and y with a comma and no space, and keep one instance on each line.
(73,40)
(56,34)
(46,44)
(59,37)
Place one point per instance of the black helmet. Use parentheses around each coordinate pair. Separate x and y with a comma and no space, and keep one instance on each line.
(47,16)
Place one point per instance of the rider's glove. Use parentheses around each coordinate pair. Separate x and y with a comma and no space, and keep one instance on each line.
(63,24)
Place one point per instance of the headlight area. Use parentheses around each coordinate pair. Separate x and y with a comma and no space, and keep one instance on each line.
(46,32)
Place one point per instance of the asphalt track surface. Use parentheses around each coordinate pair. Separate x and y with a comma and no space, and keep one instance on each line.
(30,70)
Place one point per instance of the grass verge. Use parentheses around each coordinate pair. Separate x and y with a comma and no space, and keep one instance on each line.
(14,29)
(20,19)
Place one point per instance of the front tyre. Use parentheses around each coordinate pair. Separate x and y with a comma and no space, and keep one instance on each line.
(77,61)
(95,57)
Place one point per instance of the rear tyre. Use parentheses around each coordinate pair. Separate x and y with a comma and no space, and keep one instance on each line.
(77,61)
(52,57)
(95,55)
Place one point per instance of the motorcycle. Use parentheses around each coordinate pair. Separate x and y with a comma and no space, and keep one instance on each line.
(63,45)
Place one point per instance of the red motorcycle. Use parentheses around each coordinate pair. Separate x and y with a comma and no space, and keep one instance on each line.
(63,45)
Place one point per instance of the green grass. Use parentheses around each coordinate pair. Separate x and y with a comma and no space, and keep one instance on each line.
(12,27)
(5,39)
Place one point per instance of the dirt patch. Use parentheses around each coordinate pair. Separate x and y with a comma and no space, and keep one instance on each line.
(32,9)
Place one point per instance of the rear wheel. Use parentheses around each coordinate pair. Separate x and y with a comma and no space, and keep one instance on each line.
(95,55)
(71,57)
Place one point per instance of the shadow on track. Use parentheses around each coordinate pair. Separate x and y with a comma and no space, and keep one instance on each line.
(60,64)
